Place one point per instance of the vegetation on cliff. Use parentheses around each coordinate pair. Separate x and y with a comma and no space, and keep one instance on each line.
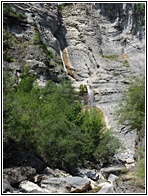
(49,120)
(131,111)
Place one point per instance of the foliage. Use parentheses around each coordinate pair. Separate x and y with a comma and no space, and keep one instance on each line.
(62,5)
(132,108)
(102,144)
(140,170)
(82,89)
(8,58)
(37,40)
(50,121)
(8,41)
(27,80)
(111,56)
(141,8)
(8,11)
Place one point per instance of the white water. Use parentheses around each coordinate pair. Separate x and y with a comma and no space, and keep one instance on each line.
(61,54)
(90,96)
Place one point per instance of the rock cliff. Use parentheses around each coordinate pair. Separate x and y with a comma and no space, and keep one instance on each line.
(103,44)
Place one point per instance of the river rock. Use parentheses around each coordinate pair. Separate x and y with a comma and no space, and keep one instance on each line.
(92,174)
(30,187)
(17,174)
(106,187)
(55,173)
(66,185)
(112,177)
(112,170)
(7,187)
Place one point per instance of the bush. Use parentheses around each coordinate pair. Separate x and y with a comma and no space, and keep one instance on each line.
(49,121)
(131,110)
(102,144)
(6,9)
(37,39)
(141,9)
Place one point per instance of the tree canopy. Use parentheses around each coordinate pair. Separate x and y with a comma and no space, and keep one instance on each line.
(51,122)
(131,110)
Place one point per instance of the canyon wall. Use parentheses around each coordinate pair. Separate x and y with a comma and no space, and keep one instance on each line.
(103,45)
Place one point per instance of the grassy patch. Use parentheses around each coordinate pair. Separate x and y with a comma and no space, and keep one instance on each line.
(112,57)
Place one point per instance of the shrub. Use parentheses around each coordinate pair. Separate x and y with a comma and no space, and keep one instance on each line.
(141,9)
(49,121)
(131,110)
(6,9)
(37,39)
(102,144)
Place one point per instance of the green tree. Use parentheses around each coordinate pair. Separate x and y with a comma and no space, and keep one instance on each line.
(140,7)
(101,144)
(51,122)
(131,110)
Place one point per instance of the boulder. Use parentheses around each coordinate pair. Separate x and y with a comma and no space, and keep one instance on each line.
(112,170)
(30,187)
(112,177)
(106,187)
(92,174)
(54,173)
(78,184)
(7,186)
(67,184)
(17,174)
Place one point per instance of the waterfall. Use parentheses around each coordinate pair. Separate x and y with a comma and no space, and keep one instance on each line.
(61,54)
(90,96)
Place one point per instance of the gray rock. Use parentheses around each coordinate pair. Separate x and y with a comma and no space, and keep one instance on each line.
(112,170)
(106,188)
(17,174)
(30,187)
(112,177)
(68,184)
(92,174)
(7,187)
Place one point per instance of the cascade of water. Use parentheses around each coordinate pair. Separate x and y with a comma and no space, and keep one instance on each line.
(90,96)
(61,54)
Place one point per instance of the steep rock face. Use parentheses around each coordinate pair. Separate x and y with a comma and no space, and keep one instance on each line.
(104,47)
(33,43)
(102,44)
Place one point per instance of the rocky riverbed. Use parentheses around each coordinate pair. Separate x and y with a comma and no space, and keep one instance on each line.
(106,180)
